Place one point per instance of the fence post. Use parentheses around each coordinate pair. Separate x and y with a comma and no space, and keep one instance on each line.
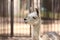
(12,17)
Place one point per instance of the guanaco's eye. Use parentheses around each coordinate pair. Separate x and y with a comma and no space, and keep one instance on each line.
(34,17)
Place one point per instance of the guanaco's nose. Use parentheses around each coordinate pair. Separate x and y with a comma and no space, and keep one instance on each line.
(25,19)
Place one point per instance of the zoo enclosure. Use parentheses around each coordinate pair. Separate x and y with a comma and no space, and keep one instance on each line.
(12,13)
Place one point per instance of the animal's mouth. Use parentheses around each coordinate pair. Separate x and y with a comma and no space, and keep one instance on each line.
(26,22)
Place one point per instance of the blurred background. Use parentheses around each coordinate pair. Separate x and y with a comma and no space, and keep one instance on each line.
(12,13)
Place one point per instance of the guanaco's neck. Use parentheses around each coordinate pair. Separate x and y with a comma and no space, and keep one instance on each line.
(37,24)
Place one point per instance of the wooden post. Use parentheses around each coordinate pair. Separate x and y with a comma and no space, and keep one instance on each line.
(1,7)
(5,8)
(16,7)
(35,4)
(12,18)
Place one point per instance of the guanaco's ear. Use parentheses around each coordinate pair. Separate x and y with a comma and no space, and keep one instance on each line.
(37,11)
